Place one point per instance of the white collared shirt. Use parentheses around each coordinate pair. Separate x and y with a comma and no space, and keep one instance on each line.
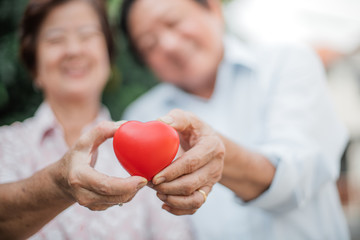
(274,100)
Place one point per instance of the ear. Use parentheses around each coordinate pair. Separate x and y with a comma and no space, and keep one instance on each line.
(216,8)
(37,83)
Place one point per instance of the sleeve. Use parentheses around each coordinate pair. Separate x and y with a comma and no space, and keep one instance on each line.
(10,169)
(304,139)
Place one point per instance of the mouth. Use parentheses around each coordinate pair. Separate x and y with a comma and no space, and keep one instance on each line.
(75,70)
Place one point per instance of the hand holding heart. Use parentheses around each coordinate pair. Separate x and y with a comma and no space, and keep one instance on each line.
(198,168)
(145,149)
(81,183)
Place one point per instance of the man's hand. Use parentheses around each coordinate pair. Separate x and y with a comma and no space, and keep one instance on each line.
(184,185)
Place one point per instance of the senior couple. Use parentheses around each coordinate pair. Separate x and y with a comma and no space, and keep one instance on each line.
(260,143)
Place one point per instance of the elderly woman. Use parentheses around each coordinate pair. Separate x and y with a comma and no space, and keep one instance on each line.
(270,109)
(67,46)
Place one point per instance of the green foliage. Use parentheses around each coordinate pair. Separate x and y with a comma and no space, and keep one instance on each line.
(19,99)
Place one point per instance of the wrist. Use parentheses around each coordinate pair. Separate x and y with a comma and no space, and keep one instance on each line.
(59,182)
(236,162)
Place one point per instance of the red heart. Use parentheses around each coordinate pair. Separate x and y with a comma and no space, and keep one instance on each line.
(144,149)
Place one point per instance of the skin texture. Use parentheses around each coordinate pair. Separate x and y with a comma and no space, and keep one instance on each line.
(180,40)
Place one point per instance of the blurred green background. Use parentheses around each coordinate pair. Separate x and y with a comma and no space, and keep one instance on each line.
(19,99)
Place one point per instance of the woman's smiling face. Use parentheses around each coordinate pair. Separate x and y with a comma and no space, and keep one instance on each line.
(180,40)
(71,52)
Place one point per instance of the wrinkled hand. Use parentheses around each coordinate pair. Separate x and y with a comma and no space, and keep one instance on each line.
(82,183)
(198,168)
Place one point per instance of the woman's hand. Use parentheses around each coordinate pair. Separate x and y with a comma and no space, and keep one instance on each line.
(83,184)
(27,205)
(184,185)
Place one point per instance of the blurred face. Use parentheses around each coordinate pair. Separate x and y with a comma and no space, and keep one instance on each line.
(72,57)
(180,40)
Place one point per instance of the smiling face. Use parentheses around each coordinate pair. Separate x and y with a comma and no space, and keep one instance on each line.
(180,40)
(71,53)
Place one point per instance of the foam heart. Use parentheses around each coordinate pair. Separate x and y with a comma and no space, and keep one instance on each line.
(144,149)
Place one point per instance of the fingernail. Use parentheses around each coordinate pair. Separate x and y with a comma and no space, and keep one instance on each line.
(162,197)
(141,185)
(158,180)
(167,119)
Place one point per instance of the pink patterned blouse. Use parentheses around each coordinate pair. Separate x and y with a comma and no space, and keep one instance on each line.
(35,143)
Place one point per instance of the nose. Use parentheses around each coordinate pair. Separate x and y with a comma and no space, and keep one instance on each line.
(74,46)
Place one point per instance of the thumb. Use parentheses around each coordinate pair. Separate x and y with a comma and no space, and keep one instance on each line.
(96,136)
(179,120)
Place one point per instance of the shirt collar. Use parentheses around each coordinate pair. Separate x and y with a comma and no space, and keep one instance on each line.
(103,115)
(238,52)
(47,121)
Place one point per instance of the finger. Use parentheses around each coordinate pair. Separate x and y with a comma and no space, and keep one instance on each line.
(91,200)
(198,156)
(102,184)
(180,120)
(187,184)
(194,201)
(99,207)
(97,135)
(178,212)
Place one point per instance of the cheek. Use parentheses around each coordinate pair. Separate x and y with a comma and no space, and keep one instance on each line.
(48,63)
(164,68)
(206,34)
(98,54)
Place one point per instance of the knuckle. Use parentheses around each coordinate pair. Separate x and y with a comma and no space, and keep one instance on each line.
(218,176)
(81,143)
(176,213)
(129,188)
(103,188)
(201,179)
(197,203)
(192,165)
(187,189)
(101,126)
(84,202)
(220,150)
(215,175)
(176,111)
(92,208)
(124,198)
(97,208)
(192,212)
(74,181)
(128,198)
(160,188)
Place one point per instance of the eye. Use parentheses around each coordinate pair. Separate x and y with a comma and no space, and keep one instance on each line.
(172,22)
(55,39)
(89,32)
